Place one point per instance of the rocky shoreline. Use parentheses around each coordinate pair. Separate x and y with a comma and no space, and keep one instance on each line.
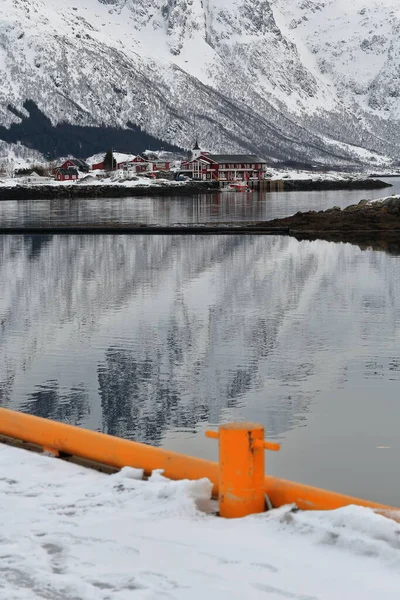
(55,192)
(50,192)
(369,224)
(368,216)
(145,229)
(313,185)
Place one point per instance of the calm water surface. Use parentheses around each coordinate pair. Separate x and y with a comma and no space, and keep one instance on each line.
(157,338)
(193,209)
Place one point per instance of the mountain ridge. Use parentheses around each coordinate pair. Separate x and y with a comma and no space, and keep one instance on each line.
(243,76)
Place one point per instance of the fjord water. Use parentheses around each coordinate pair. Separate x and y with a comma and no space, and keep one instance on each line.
(157,338)
(194,209)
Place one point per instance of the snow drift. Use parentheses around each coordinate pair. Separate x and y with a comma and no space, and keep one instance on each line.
(73,533)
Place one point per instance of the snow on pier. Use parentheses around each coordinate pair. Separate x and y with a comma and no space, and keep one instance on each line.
(69,533)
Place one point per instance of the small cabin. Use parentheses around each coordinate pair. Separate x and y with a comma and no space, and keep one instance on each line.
(69,174)
(32,177)
(138,164)
(98,166)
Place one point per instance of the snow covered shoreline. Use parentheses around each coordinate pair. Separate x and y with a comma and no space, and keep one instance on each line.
(64,190)
(12,190)
(69,532)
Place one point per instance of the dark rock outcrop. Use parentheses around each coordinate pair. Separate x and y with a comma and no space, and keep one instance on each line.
(308,185)
(50,192)
(355,223)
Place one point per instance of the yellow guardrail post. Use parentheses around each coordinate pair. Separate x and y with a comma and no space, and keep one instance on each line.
(241,468)
(238,479)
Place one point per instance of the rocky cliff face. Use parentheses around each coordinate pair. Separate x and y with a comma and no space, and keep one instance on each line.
(284,79)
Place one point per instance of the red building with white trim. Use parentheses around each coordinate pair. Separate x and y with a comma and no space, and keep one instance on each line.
(224,167)
(135,165)
(139,164)
(69,174)
(75,163)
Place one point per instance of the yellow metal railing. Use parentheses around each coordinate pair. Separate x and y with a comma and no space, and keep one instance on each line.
(238,479)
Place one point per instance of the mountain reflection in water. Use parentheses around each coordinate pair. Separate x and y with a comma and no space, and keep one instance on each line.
(148,337)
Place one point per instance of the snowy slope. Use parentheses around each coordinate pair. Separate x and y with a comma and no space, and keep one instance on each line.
(17,156)
(71,533)
(243,75)
(356,45)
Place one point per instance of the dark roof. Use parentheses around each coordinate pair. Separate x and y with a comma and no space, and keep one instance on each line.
(32,172)
(196,145)
(235,158)
(69,171)
(78,162)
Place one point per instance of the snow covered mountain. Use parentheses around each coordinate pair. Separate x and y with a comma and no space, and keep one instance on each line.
(306,81)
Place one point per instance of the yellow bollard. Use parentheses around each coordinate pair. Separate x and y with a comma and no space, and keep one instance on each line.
(62,439)
(241,468)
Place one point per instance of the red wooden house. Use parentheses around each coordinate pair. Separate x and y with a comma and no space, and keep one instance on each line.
(224,167)
(141,164)
(155,163)
(70,174)
(136,165)
(160,165)
(76,163)
(98,166)
(126,165)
